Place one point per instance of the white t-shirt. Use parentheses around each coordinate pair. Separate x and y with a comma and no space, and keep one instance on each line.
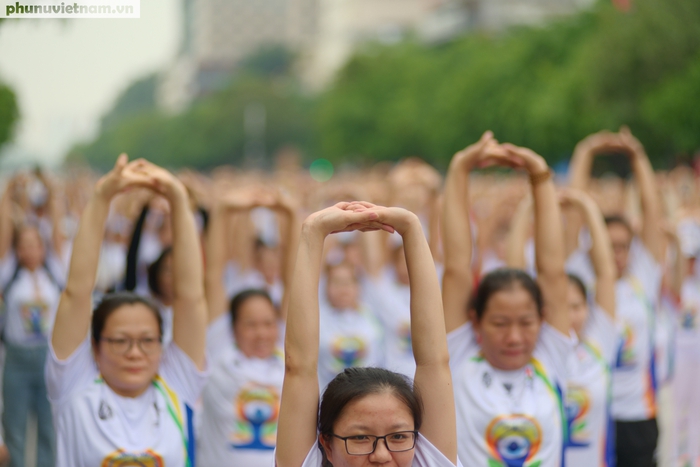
(688,335)
(637,297)
(112,265)
(348,338)
(588,396)
(97,427)
(664,338)
(391,301)
(514,417)
(634,373)
(426,455)
(31,300)
(240,407)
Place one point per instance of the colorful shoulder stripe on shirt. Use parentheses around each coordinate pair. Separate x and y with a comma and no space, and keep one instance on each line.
(175,411)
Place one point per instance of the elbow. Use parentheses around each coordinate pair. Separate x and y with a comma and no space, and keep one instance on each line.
(298,366)
(457,273)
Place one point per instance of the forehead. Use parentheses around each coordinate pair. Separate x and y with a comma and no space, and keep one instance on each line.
(619,232)
(574,292)
(378,414)
(28,233)
(256,307)
(341,272)
(135,317)
(514,302)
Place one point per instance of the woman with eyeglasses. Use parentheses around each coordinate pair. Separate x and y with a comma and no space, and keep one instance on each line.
(509,339)
(118,396)
(367,416)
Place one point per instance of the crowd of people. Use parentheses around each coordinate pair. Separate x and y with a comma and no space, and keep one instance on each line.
(505,316)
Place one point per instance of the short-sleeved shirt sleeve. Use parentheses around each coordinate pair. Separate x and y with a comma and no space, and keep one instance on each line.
(554,351)
(602,332)
(646,269)
(181,373)
(65,377)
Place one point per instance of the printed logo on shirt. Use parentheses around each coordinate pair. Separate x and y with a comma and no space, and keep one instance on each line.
(513,441)
(348,351)
(121,458)
(404,333)
(257,408)
(626,355)
(578,405)
(35,318)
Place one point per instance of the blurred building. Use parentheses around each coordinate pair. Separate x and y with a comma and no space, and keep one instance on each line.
(218,34)
(497,14)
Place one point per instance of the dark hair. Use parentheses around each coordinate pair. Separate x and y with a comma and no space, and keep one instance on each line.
(260,244)
(355,383)
(576,281)
(111,302)
(242,297)
(504,279)
(615,219)
(154,270)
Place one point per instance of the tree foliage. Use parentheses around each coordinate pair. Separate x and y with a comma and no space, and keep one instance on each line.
(545,88)
(542,87)
(9,111)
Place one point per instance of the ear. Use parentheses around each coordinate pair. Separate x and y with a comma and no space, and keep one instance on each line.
(326,444)
(95,350)
(476,325)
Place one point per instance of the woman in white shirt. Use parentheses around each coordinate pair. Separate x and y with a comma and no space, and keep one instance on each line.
(509,350)
(368,416)
(225,281)
(352,335)
(118,396)
(588,390)
(639,276)
(31,277)
(241,399)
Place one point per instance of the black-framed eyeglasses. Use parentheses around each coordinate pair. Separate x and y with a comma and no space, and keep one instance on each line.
(361,445)
(122,345)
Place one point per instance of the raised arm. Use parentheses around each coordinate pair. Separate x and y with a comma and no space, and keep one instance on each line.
(549,237)
(601,251)
(580,178)
(457,235)
(433,378)
(296,432)
(224,206)
(189,303)
(652,233)
(6,224)
(675,276)
(56,207)
(75,306)
(289,239)
(517,237)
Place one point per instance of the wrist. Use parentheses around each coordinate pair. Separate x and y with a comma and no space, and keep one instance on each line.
(536,165)
(411,226)
(176,192)
(311,230)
